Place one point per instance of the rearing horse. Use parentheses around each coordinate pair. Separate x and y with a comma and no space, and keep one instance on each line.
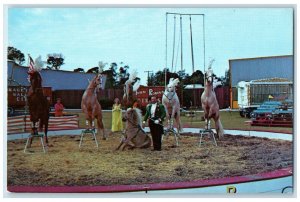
(130,89)
(91,107)
(38,104)
(210,104)
(171,102)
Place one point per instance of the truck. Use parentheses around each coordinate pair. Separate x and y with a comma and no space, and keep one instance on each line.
(251,94)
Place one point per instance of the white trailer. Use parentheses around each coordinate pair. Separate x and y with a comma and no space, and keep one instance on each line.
(251,94)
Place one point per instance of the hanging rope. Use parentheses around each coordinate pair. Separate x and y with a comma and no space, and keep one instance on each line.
(174,42)
(181,42)
(177,52)
(192,50)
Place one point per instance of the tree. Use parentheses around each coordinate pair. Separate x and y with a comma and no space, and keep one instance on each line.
(123,75)
(55,60)
(197,78)
(16,55)
(78,70)
(226,80)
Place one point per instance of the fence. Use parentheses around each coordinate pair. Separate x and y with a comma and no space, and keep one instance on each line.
(72,98)
(21,124)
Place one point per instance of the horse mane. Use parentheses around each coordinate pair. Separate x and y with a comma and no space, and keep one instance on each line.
(138,113)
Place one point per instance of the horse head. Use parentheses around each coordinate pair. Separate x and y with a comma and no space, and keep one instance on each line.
(172,84)
(35,80)
(209,73)
(97,81)
(134,117)
(209,77)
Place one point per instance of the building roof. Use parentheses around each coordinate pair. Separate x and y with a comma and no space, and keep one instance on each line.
(248,69)
(194,86)
(56,79)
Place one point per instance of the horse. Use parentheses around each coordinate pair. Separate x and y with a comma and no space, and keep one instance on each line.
(91,107)
(135,136)
(39,107)
(210,104)
(171,103)
(130,90)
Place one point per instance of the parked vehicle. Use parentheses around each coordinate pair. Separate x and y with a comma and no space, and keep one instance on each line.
(252,94)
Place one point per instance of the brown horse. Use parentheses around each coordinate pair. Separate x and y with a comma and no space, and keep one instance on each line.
(210,104)
(91,107)
(135,135)
(38,104)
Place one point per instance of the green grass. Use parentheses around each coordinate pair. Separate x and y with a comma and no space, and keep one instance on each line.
(231,120)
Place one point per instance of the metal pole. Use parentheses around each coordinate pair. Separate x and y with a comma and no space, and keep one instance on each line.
(181,42)
(166,50)
(148,76)
(192,50)
(204,41)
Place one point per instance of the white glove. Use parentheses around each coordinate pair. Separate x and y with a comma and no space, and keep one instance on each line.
(156,121)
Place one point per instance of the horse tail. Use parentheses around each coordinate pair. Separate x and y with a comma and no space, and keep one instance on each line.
(219,127)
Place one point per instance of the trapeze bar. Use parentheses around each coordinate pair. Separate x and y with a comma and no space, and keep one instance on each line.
(182,14)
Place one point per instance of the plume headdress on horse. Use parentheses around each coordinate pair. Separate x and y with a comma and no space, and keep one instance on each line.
(34,66)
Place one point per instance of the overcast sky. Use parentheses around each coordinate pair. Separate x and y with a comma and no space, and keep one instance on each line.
(137,36)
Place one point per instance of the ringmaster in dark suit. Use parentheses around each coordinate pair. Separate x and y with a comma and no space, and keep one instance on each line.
(156,113)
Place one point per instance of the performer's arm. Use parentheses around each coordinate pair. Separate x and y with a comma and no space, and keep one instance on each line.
(147,114)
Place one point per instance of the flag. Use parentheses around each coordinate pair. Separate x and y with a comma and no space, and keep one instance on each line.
(31,64)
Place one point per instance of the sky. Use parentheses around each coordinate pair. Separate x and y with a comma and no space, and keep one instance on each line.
(137,36)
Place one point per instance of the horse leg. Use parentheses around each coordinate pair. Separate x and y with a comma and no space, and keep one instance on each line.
(172,116)
(46,122)
(101,127)
(167,116)
(121,143)
(33,132)
(41,123)
(178,121)
(207,121)
(219,127)
(88,118)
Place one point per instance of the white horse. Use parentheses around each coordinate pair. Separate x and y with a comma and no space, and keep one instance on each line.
(171,102)
(210,104)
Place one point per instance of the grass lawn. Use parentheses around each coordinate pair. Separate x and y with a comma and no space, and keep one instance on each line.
(231,120)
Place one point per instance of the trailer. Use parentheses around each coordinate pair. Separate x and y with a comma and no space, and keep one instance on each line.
(251,94)
(17,97)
